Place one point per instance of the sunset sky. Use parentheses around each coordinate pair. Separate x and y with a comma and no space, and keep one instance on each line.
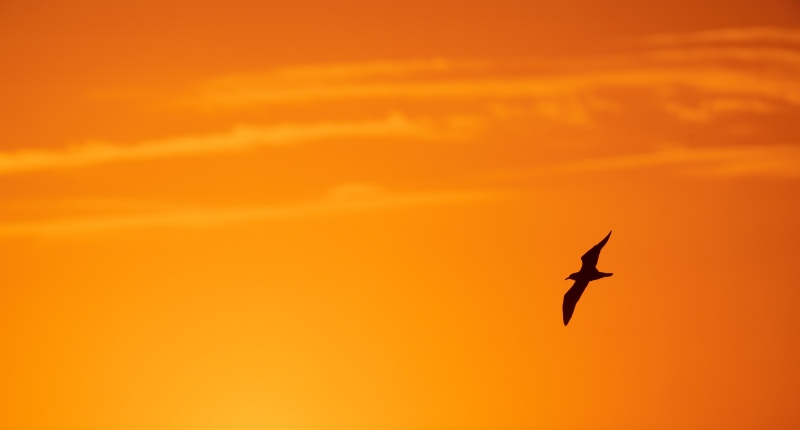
(358,215)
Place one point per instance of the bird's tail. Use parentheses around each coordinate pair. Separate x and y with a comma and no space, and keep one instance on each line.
(605,275)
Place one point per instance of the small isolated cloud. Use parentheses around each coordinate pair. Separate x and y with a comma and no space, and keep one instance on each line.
(767,160)
(240,138)
(343,199)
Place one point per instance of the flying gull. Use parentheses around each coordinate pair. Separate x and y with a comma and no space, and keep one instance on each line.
(588,273)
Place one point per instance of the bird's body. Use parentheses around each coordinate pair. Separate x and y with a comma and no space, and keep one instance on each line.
(588,273)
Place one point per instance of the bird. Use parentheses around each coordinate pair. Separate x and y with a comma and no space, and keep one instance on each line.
(588,273)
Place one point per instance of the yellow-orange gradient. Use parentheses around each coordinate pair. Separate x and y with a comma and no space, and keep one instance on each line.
(238,215)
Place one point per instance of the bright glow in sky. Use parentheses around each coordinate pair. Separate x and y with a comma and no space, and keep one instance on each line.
(358,215)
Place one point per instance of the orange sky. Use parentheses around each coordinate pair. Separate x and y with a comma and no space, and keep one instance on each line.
(358,215)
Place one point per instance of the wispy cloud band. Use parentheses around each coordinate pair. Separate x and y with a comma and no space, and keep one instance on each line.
(240,138)
(731,35)
(767,160)
(340,201)
(715,80)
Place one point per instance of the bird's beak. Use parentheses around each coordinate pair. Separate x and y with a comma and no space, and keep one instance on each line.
(566,278)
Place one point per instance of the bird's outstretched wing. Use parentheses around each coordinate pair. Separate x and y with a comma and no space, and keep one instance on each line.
(571,299)
(590,258)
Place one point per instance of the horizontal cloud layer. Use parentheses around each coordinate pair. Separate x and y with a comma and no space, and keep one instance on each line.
(730,35)
(345,198)
(770,160)
(720,81)
(240,138)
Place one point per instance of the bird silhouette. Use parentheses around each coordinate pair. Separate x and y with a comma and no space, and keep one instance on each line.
(588,273)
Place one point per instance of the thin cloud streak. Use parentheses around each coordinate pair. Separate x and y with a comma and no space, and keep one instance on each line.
(730,35)
(338,202)
(738,67)
(772,160)
(708,110)
(349,71)
(239,139)
(756,56)
(709,79)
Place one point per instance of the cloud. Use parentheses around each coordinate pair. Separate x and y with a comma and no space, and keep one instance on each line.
(769,69)
(757,56)
(350,71)
(713,79)
(708,109)
(767,160)
(730,35)
(241,138)
(692,83)
(343,199)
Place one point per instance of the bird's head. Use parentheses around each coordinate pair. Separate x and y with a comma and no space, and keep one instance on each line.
(573,276)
